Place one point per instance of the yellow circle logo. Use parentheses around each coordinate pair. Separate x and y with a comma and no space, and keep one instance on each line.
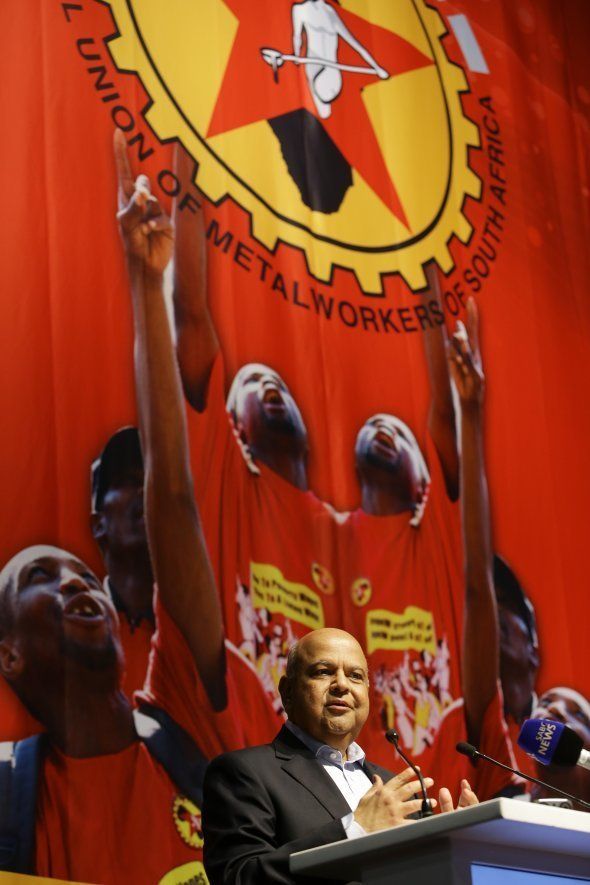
(187,819)
(361,591)
(322,578)
(187,874)
(338,127)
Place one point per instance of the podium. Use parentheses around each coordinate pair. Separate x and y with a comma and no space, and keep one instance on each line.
(499,842)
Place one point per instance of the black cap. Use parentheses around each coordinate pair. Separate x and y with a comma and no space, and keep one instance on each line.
(120,457)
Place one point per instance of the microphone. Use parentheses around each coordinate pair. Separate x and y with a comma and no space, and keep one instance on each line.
(393,737)
(470,751)
(553,743)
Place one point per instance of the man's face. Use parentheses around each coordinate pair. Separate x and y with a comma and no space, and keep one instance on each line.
(567,706)
(329,695)
(121,514)
(61,615)
(518,662)
(386,442)
(262,403)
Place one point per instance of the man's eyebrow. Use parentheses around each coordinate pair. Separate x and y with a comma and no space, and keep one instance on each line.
(324,662)
(28,567)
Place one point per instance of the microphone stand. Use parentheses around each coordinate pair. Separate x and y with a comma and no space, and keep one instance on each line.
(393,737)
(470,751)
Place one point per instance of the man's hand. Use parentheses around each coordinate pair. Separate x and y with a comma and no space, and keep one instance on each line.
(388,805)
(466,798)
(465,359)
(146,230)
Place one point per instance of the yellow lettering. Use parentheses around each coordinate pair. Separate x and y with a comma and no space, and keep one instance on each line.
(295,601)
(411,629)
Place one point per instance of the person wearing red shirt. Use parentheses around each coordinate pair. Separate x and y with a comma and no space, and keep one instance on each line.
(118,526)
(429,627)
(106,810)
(271,540)
(519,655)
(402,562)
(568,706)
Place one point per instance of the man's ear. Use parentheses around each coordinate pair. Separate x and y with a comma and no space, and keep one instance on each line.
(285,692)
(98,527)
(11,659)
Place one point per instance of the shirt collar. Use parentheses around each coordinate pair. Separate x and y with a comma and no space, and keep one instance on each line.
(355,753)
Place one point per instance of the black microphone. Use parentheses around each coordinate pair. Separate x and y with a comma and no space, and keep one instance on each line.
(470,751)
(393,737)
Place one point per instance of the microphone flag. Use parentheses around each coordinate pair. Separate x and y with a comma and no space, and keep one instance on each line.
(550,742)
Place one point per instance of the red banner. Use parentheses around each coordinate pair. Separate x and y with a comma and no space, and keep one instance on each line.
(331,170)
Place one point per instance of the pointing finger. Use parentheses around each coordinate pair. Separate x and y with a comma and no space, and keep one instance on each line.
(124,176)
(473,325)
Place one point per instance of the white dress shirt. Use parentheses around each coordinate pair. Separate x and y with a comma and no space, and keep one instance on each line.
(348,775)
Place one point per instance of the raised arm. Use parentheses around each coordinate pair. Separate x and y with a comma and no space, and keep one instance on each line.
(196,339)
(181,565)
(441,415)
(345,34)
(480,665)
(297,29)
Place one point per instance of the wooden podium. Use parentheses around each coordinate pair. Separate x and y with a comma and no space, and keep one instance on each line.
(489,844)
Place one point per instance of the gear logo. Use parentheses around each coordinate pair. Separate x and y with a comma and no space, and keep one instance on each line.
(361,591)
(322,578)
(338,126)
(187,820)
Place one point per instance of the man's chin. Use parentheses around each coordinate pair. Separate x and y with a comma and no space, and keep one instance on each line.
(101,657)
(339,722)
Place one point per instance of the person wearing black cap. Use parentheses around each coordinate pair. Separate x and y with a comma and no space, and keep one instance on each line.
(519,653)
(103,794)
(118,527)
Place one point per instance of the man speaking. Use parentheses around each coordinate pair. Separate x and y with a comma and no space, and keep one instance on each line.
(312,785)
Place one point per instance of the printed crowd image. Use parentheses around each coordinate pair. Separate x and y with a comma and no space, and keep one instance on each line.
(294,484)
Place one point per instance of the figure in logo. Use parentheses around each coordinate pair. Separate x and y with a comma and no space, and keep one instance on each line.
(441,678)
(252,637)
(323,182)
(323,28)
(272,663)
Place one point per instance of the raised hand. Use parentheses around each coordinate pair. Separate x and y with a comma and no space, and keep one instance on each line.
(466,798)
(465,359)
(146,231)
(390,804)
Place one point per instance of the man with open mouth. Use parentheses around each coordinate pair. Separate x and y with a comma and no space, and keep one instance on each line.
(263,524)
(109,807)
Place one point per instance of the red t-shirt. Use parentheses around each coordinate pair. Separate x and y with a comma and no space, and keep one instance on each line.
(272,545)
(118,818)
(403,597)
(447,767)
(524,762)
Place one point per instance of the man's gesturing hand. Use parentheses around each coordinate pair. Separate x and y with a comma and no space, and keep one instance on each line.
(465,359)
(466,798)
(146,230)
(388,805)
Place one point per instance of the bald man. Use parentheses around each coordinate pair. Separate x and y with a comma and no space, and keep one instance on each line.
(312,785)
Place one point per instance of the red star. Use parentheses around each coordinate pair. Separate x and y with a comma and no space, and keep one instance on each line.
(249,94)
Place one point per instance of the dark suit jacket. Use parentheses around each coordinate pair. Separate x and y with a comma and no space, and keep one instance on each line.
(262,803)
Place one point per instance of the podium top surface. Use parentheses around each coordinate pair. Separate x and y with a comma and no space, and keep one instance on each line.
(507,822)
